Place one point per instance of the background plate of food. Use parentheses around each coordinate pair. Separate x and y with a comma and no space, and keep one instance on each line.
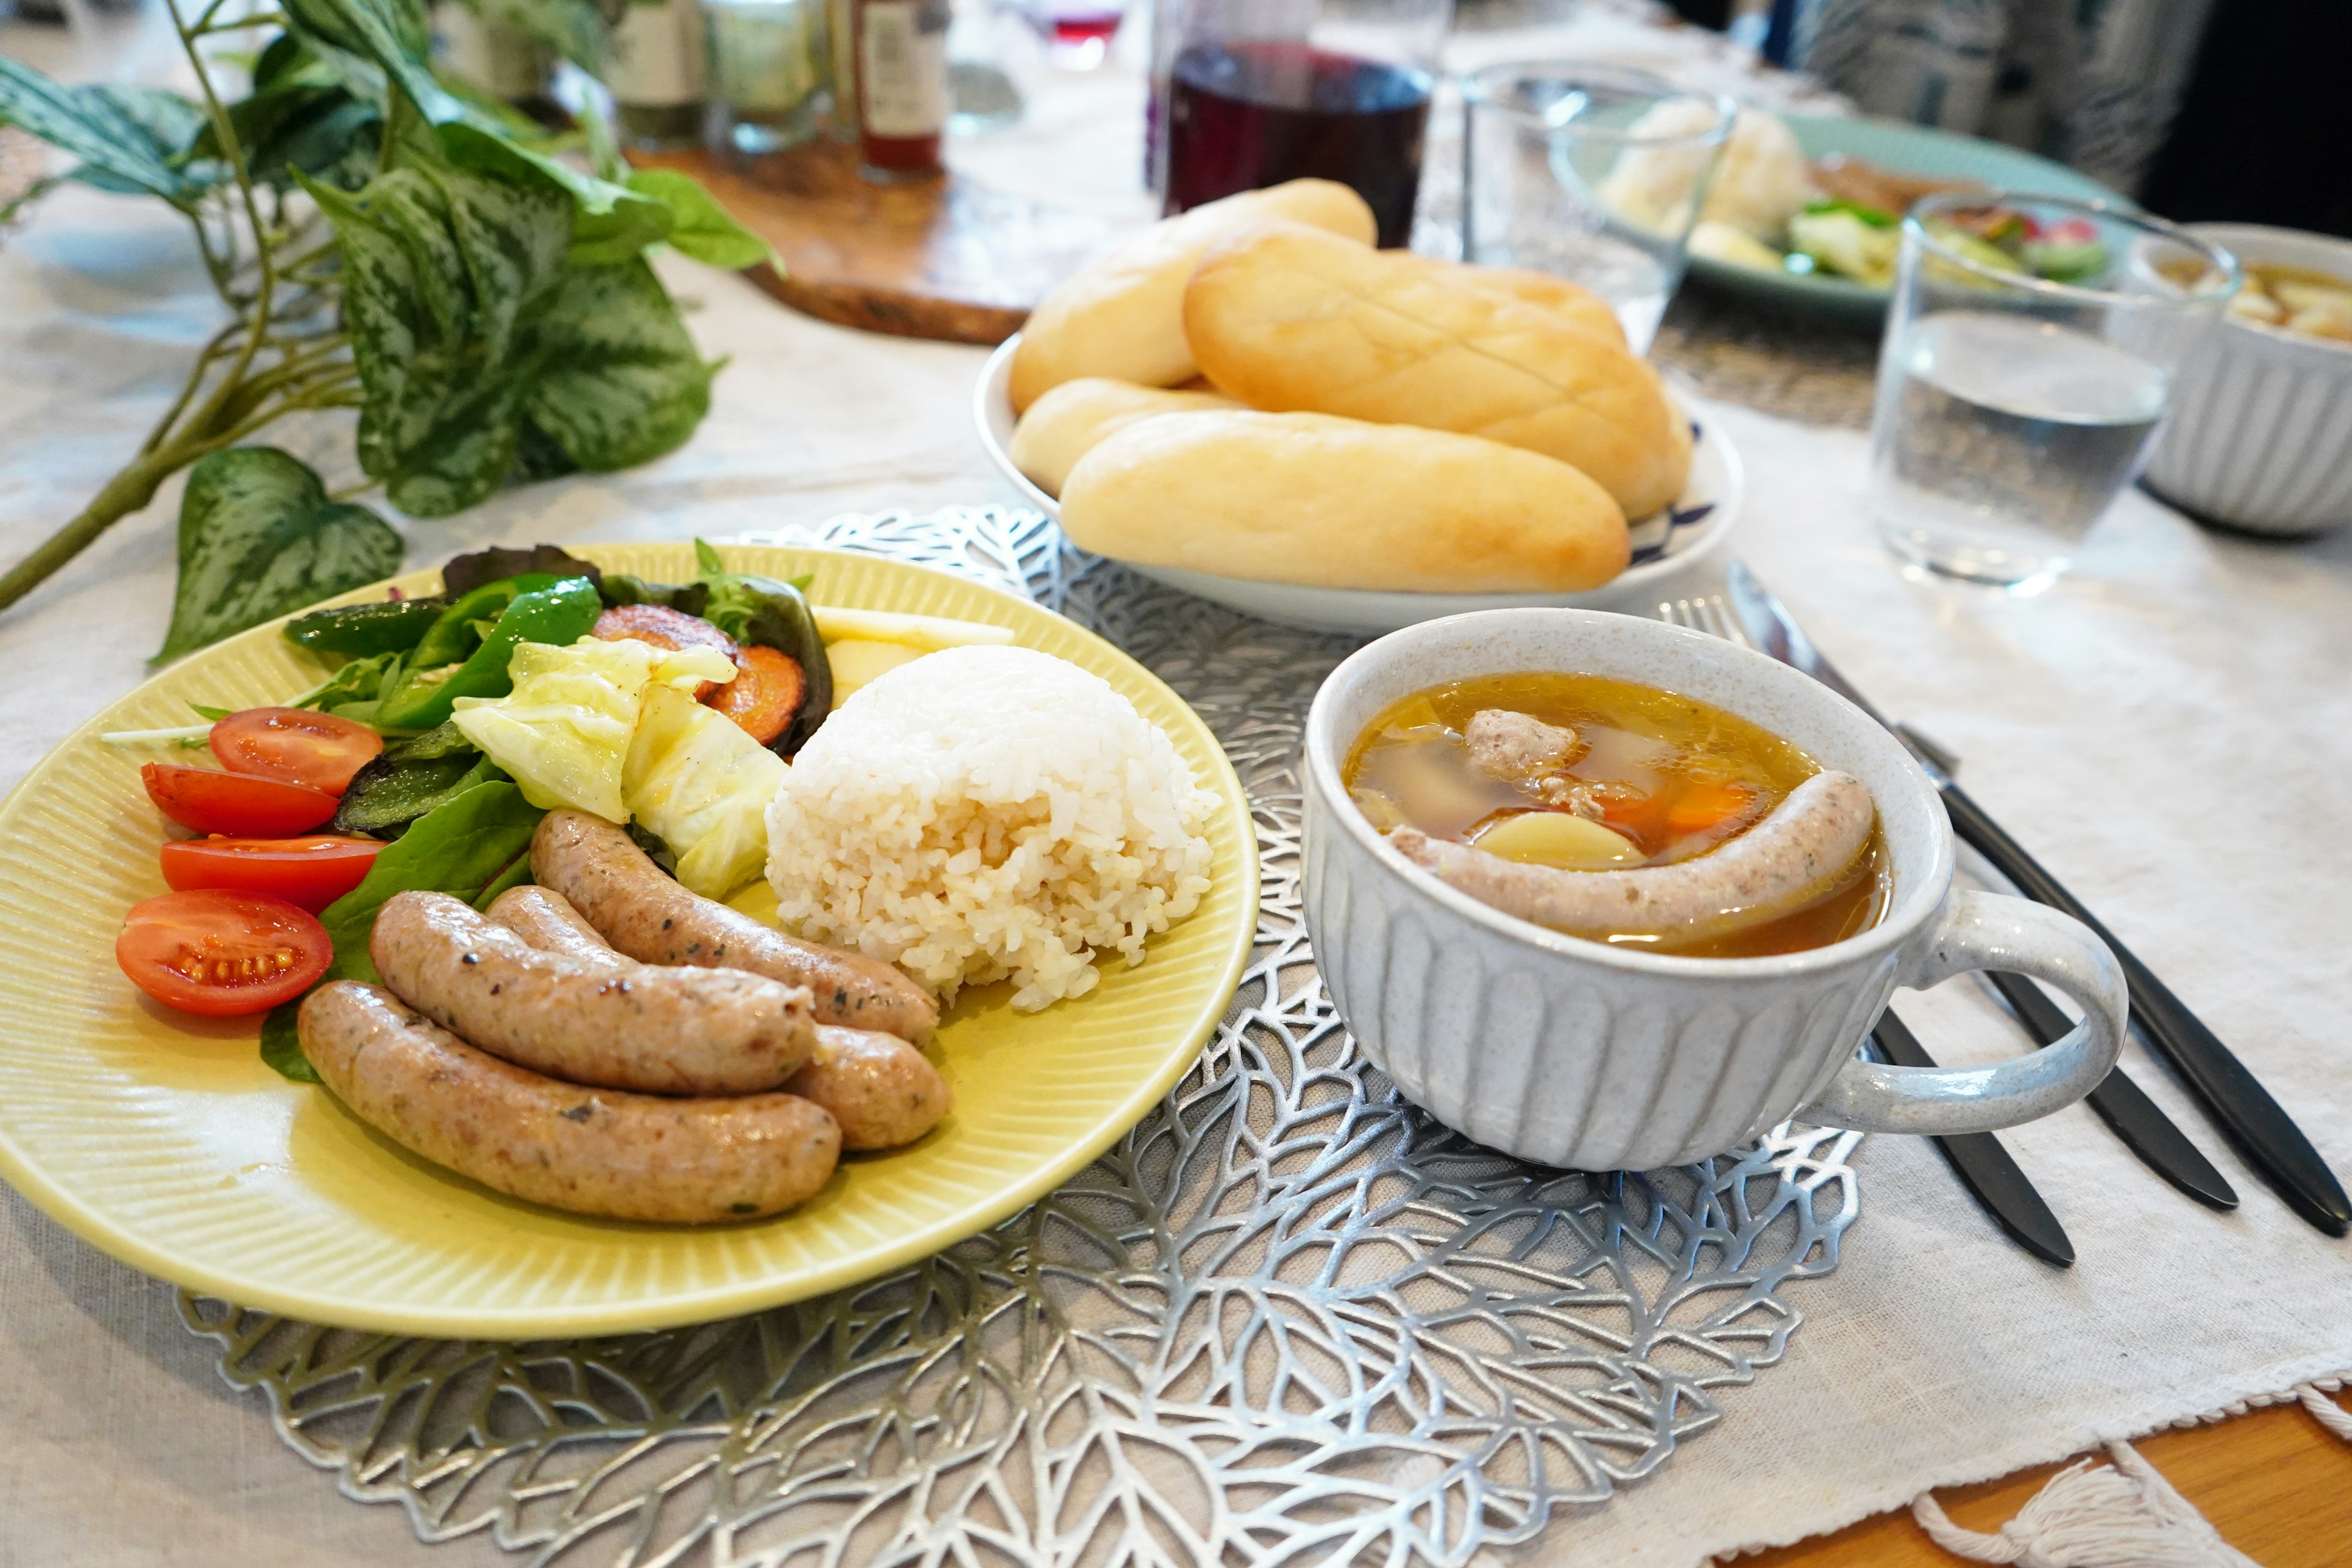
(190,1146)
(1804,209)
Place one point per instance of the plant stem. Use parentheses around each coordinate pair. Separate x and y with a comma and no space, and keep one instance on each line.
(127,492)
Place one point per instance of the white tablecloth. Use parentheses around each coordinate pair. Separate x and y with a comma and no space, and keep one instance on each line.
(2172,728)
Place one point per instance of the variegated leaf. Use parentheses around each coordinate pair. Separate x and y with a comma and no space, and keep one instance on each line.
(620,381)
(258,537)
(128,139)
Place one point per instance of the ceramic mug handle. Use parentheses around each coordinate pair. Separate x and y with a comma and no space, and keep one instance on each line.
(1989,930)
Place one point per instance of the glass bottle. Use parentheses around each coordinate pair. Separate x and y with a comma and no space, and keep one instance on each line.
(765,75)
(901,51)
(654,69)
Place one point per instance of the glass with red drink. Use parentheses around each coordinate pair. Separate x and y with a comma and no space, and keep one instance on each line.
(1250,94)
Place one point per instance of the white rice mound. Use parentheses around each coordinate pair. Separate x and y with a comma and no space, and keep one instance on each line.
(984,812)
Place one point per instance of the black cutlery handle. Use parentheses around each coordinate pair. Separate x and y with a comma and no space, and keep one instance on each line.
(2261,1131)
(1982,1164)
(2145,1130)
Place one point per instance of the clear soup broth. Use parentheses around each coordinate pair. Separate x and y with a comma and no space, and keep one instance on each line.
(1667,776)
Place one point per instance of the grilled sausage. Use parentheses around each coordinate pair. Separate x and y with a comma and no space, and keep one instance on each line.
(650,918)
(878,1087)
(628,1156)
(658,1031)
(1805,842)
(545,918)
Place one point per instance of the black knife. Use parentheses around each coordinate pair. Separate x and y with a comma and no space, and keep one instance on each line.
(1983,1165)
(2256,1127)
(2119,1102)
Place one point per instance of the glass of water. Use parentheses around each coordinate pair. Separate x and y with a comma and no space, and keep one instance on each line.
(2012,407)
(1590,172)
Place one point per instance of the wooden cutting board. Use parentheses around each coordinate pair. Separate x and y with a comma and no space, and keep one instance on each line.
(942,258)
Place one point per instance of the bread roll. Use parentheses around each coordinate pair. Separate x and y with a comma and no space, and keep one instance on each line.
(1557,295)
(1122,314)
(1338,504)
(1063,425)
(1284,317)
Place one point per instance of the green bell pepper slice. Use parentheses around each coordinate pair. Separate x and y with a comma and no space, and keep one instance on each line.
(452,636)
(560,613)
(389,626)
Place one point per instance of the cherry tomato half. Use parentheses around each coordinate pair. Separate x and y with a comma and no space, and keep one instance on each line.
(295,746)
(312,872)
(222,954)
(211,801)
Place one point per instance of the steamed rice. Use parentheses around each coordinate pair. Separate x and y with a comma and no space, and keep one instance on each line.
(985,812)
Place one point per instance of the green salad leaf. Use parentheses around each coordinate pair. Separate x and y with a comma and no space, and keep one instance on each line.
(258,537)
(476,842)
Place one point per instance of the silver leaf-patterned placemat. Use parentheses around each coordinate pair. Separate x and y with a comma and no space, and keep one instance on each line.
(1287,1319)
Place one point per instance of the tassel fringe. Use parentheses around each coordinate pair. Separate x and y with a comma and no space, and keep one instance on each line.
(2094,1516)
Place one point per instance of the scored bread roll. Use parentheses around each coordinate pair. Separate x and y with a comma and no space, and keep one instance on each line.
(1061,426)
(1340,503)
(1122,314)
(1284,317)
(1557,295)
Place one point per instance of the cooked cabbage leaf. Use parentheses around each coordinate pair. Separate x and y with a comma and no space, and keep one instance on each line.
(564,732)
(698,781)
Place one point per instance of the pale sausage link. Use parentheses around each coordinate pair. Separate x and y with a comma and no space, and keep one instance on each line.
(878,1087)
(658,1031)
(1799,849)
(650,918)
(595,1152)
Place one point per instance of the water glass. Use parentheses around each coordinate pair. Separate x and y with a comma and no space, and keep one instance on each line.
(1594,174)
(2011,408)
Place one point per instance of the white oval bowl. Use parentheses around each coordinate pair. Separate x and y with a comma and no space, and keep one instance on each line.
(1666,546)
(2260,433)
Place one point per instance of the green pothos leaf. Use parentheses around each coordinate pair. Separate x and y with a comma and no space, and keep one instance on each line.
(128,139)
(445,270)
(258,537)
(619,380)
(392,34)
(699,226)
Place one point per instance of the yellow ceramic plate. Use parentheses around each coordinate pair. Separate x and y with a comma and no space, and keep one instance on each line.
(164,1141)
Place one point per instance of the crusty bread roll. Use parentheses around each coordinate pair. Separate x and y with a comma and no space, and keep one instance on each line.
(1063,425)
(1122,314)
(1284,317)
(1338,504)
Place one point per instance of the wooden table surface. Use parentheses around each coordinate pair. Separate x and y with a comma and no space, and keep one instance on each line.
(2276,1484)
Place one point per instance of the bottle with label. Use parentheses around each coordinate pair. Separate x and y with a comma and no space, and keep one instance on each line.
(902,85)
(654,67)
(496,60)
(766,75)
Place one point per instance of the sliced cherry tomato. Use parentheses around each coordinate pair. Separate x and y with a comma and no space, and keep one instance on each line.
(765,695)
(312,872)
(292,745)
(211,801)
(222,954)
(664,627)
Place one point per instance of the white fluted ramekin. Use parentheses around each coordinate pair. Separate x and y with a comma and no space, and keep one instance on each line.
(1582,1054)
(2260,433)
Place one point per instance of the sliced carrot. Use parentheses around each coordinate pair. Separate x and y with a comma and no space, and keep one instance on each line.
(671,630)
(1705,804)
(765,695)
